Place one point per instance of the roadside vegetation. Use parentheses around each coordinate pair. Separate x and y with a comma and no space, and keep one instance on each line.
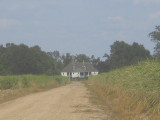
(19,85)
(131,93)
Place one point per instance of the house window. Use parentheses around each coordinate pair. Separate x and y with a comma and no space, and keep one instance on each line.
(86,73)
(81,73)
(67,73)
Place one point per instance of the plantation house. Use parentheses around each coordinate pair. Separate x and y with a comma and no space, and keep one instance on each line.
(79,70)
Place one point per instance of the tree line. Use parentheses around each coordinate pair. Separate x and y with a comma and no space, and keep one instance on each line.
(21,59)
(121,54)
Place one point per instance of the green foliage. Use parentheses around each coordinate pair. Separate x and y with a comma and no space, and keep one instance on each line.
(25,81)
(82,57)
(155,36)
(20,59)
(66,59)
(123,54)
(145,76)
(61,79)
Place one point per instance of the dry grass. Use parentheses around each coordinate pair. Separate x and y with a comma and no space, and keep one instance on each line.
(12,87)
(131,93)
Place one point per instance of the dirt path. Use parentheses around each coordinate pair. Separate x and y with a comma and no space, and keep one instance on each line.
(69,102)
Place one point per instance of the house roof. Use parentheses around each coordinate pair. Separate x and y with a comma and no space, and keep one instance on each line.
(79,67)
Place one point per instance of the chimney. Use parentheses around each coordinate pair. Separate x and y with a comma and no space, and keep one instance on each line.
(73,67)
(84,65)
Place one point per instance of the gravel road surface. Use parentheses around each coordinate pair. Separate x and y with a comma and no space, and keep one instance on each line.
(70,102)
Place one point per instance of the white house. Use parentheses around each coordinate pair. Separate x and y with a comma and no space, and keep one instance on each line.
(79,70)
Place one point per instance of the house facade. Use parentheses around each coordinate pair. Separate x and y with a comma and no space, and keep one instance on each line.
(79,70)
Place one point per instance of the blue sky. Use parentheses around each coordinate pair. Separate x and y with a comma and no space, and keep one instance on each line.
(78,26)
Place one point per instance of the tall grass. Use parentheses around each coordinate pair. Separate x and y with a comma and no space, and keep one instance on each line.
(132,92)
(19,85)
(26,81)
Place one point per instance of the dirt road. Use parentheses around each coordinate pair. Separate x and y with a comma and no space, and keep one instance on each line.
(69,102)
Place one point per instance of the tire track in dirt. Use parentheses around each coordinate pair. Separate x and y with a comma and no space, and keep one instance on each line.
(70,102)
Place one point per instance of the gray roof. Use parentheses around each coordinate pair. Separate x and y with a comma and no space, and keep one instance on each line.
(79,67)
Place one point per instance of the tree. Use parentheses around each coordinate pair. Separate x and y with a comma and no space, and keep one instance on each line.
(155,37)
(20,59)
(120,54)
(55,54)
(66,59)
(82,57)
(95,61)
(123,54)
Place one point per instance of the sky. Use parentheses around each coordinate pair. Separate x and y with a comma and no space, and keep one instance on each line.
(78,26)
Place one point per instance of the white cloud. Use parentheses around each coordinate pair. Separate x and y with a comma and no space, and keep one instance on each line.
(155,15)
(7,23)
(117,18)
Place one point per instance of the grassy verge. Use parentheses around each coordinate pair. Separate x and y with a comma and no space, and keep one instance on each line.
(131,93)
(12,87)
